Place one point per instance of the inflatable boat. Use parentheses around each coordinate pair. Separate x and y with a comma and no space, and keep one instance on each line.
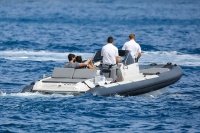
(127,79)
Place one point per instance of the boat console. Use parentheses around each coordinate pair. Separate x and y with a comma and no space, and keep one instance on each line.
(124,57)
(126,67)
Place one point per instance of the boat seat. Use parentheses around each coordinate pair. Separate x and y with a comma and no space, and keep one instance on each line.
(62,80)
(62,72)
(111,73)
(70,75)
(84,73)
(152,71)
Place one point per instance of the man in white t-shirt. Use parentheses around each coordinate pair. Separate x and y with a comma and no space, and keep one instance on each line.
(110,59)
(133,47)
(110,53)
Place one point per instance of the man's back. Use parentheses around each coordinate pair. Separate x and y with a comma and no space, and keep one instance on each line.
(72,65)
(133,47)
(109,53)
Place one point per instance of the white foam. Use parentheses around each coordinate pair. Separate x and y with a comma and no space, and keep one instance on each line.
(155,94)
(176,95)
(32,95)
(158,57)
(119,96)
(39,55)
(174,57)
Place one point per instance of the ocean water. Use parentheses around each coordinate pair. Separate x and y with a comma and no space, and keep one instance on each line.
(36,36)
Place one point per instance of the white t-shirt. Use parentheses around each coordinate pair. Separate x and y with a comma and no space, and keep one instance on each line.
(133,47)
(109,53)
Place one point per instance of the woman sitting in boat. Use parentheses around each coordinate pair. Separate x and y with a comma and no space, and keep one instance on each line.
(73,64)
(90,65)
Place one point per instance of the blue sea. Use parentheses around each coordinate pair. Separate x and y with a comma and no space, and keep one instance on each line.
(37,35)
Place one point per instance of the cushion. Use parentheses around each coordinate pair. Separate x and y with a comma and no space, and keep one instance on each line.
(84,73)
(62,72)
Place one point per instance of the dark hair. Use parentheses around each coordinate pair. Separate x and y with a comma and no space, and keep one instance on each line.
(110,39)
(71,56)
(79,59)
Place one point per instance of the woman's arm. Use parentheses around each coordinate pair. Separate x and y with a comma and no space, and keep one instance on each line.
(91,65)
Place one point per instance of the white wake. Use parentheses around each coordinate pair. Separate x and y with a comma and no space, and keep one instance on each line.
(159,57)
(32,95)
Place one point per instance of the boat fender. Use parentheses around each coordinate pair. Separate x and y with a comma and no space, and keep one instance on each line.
(157,73)
(169,63)
(32,83)
(153,64)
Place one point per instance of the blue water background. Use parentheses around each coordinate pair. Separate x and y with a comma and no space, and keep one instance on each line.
(36,36)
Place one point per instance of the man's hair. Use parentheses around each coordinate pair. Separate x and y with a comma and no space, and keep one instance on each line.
(79,59)
(71,56)
(132,36)
(110,39)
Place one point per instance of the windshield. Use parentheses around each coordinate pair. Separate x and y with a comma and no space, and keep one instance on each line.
(124,57)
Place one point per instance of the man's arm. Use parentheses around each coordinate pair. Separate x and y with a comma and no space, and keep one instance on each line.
(117,59)
(102,52)
(140,52)
(123,48)
(139,55)
(84,64)
(117,55)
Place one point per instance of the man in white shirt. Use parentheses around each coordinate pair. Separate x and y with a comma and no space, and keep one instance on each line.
(133,47)
(110,60)
(110,52)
